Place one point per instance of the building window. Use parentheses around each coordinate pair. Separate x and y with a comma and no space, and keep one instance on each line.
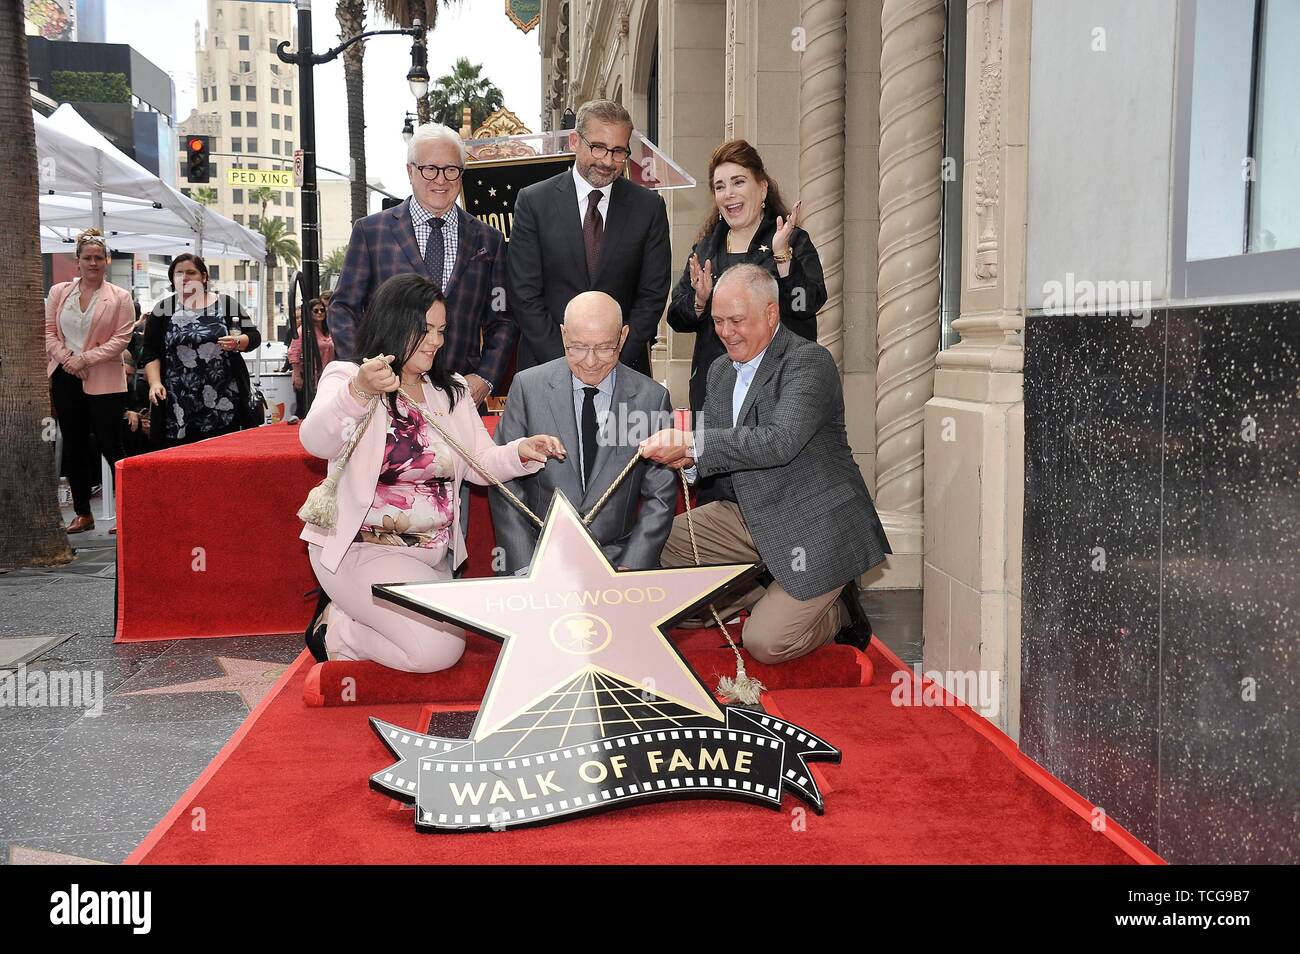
(236,117)
(245,66)
(237,196)
(288,148)
(234,93)
(288,199)
(250,119)
(250,93)
(275,147)
(275,94)
(289,222)
(241,272)
(205,94)
(288,97)
(236,145)
(275,120)
(243,41)
(214,272)
(253,220)
(252,144)
(1237,153)
(288,123)
(239,218)
(273,44)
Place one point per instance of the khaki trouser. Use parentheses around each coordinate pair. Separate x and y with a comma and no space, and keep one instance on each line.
(780,627)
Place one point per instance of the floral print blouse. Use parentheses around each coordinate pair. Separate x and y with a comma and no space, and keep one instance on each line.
(413,498)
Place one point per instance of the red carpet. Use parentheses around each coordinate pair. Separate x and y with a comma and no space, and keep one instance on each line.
(916,785)
(208,537)
(373,684)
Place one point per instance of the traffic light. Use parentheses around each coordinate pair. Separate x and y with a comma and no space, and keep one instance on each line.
(198,164)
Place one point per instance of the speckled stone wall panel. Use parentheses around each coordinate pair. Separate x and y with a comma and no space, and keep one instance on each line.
(1160,677)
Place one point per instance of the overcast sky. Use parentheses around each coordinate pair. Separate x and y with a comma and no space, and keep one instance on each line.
(477,29)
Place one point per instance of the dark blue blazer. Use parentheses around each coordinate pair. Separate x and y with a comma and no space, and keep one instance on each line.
(481,334)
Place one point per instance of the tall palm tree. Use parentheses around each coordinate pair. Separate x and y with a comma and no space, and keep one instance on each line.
(404,13)
(463,86)
(331,265)
(281,248)
(351,15)
(29,504)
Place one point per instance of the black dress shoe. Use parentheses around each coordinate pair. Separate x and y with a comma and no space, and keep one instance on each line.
(857,632)
(315,634)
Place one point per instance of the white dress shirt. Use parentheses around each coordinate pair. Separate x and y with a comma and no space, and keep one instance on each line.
(585,188)
(74,321)
(603,399)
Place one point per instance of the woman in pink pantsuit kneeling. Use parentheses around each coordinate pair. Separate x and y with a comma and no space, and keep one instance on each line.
(399,494)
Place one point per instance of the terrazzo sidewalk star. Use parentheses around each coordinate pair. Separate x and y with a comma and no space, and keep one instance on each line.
(251,678)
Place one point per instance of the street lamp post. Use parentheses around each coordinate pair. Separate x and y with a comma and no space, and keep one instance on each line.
(307,60)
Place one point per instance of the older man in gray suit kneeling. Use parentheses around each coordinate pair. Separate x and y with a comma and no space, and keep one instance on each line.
(793,497)
(600,409)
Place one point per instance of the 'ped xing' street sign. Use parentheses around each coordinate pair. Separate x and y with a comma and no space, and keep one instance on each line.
(260,177)
(590,706)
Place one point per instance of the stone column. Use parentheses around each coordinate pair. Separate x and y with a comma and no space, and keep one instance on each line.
(975,424)
(821,154)
(907,315)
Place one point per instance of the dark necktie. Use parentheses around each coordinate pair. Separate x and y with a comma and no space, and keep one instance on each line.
(435,252)
(593,232)
(589,432)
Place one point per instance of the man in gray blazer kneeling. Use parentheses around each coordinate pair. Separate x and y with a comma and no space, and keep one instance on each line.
(600,409)
(793,497)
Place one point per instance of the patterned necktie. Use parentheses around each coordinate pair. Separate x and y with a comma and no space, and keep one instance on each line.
(593,232)
(435,252)
(589,430)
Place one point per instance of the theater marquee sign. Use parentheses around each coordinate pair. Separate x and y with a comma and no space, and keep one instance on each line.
(590,706)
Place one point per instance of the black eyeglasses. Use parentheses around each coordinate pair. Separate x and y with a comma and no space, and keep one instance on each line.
(450,173)
(600,151)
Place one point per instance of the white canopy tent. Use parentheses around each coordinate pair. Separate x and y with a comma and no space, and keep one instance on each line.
(85,181)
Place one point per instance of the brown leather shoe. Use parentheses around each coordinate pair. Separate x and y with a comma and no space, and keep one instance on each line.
(81,523)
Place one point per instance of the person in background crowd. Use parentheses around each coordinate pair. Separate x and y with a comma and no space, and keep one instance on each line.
(324,347)
(198,383)
(135,420)
(590,229)
(87,327)
(398,516)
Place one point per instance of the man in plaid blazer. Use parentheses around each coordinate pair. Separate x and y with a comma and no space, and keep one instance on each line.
(428,234)
(792,495)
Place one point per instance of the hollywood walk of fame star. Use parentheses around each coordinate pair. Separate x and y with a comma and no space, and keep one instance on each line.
(492,191)
(251,678)
(574,613)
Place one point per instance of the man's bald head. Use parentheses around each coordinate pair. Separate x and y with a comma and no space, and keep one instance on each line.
(593,334)
(594,312)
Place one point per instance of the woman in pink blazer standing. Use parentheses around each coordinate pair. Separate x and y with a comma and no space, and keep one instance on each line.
(88,323)
(399,495)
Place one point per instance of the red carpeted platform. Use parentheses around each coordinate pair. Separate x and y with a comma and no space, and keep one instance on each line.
(208,542)
(368,683)
(916,785)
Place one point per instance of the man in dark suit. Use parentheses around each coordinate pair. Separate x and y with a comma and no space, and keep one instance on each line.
(428,234)
(600,409)
(589,229)
(773,424)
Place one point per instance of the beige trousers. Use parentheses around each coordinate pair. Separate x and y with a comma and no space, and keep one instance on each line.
(780,627)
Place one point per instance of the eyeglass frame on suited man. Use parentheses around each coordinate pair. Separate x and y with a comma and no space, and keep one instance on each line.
(599,150)
(443,170)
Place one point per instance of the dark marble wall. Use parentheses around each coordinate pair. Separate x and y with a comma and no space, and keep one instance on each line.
(1161,619)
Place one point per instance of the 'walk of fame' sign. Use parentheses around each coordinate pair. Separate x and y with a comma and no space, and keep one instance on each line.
(589,705)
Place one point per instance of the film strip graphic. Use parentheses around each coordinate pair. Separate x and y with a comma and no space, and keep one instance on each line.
(751,756)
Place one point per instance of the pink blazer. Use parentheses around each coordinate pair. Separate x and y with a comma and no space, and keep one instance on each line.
(335,412)
(110,333)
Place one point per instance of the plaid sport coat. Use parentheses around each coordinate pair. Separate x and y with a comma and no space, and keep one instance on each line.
(798,486)
(384,245)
